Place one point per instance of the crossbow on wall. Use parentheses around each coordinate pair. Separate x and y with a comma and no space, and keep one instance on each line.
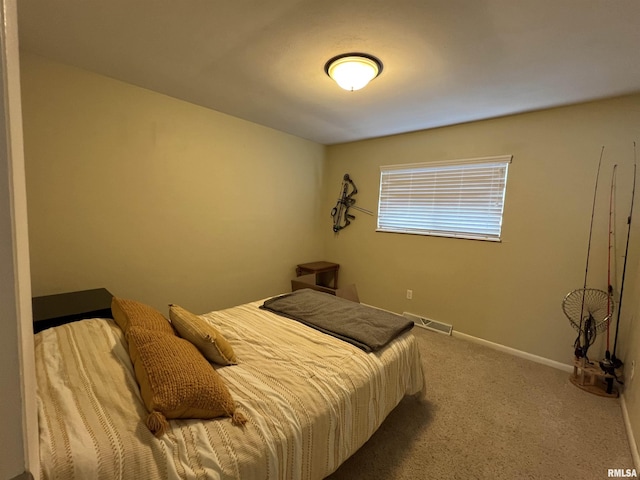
(340,213)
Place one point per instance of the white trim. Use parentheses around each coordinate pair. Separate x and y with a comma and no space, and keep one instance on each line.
(12,145)
(380,308)
(454,198)
(565,367)
(497,159)
(518,353)
(434,233)
(633,446)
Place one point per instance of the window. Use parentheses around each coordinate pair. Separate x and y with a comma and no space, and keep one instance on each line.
(460,198)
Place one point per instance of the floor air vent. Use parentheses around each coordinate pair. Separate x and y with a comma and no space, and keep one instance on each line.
(429,324)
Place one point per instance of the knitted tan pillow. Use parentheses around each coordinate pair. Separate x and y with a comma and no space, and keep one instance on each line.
(176,381)
(203,335)
(129,313)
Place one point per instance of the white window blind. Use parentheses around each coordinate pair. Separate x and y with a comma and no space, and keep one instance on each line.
(460,198)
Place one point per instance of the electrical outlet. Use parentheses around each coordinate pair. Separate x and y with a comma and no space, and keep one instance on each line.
(409,294)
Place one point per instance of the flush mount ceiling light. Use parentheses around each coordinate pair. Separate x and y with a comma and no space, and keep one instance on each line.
(353,71)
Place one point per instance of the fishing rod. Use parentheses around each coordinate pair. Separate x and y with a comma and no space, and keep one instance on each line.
(611,233)
(580,350)
(606,364)
(617,363)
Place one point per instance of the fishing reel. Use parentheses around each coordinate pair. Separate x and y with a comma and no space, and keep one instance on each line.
(607,366)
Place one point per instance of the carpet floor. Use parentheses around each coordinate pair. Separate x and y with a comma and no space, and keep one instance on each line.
(490,415)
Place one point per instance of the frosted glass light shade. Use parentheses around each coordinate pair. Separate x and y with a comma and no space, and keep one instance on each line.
(353,71)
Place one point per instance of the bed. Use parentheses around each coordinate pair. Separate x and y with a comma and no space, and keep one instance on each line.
(310,401)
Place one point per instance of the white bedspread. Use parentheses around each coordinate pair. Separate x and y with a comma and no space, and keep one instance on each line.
(311,401)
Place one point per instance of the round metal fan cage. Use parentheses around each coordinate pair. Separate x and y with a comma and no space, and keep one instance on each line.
(584,303)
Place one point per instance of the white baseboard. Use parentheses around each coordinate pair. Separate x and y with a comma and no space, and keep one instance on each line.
(518,353)
(632,441)
(503,348)
(564,367)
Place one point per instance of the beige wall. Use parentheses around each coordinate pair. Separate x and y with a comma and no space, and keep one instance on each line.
(158,199)
(164,201)
(509,292)
(630,353)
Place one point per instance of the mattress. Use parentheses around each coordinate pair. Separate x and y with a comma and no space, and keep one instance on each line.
(311,401)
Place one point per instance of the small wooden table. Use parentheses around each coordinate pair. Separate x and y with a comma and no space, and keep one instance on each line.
(53,310)
(326,272)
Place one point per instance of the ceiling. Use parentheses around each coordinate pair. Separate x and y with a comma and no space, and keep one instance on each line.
(445,61)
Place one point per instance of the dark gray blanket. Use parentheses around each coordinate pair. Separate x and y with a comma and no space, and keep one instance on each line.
(365,327)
